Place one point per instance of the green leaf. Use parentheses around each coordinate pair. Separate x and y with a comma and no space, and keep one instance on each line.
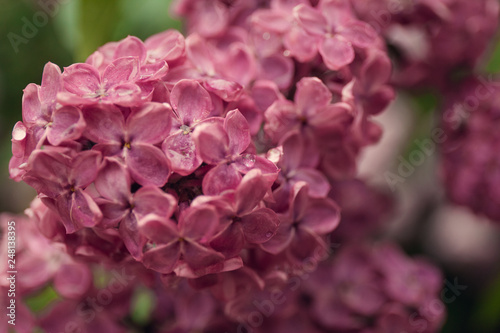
(493,65)
(487,315)
(42,299)
(97,20)
(143,303)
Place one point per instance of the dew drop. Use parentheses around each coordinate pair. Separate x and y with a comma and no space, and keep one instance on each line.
(249,160)
(269,234)
(266,35)
(286,53)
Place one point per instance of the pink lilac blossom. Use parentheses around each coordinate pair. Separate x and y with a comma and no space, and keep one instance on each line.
(432,40)
(469,153)
(209,167)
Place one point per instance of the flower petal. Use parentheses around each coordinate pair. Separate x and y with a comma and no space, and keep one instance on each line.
(260,225)
(81,79)
(310,19)
(250,192)
(181,152)
(212,142)
(68,124)
(84,211)
(191,101)
(238,131)
(158,229)
(147,164)
(336,52)
(150,123)
(152,200)
(105,124)
(311,95)
(51,84)
(84,168)
(322,216)
(163,258)
(120,71)
(221,178)
(113,182)
(199,223)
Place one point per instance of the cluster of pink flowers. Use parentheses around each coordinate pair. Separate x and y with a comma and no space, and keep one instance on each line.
(470,154)
(214,170)
(433,40)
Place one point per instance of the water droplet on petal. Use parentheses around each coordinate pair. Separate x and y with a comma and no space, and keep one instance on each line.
(269,234)
(249,160)
(286,53)
(266,35)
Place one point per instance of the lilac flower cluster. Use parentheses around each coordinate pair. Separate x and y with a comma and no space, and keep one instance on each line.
(435,40)
(214,167)
(470,160)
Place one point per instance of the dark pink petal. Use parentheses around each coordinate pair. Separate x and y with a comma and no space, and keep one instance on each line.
(73,280)
(212,142)
(158,229)
(109,149)
(237,130)
(310,19)
(168,45)
(281,117)
(19,134)
(191,102)
(379,100)
(152,200)
(230,241)
(125,94)
(147,164)
(84,211)
(311,95)
(199,223)
(250,192)
(51,170)
(105,124)
(305,244)
(181,152)
(51,84)
(81,79)
(260,225)
(319,187)
(277,68)
(112,212)
(293,152)
(163,258)
(360,34)
(227,90)
(133,239)
(31,105)
(322,216)
(84,169)
(336,52)
(67,124)
(120,71)
(113,182)
(199,257)
(221,178)
(281,240)
(300,201)
(150,123)
(130,47)
(331,122)
(268,168)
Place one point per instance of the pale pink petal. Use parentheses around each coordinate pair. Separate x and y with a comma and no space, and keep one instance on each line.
(301,45)
(227,90)
(31,105)
(237,130)
(319,187)
(121,70)
(271,20)
(277,68)
(51,84)
(168,45)
(336,52)
(200,54)
(130,47)
(360,34)
(212,142)
(311,95)
(191,101)
(125,94)
(81,79)
(181,152)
